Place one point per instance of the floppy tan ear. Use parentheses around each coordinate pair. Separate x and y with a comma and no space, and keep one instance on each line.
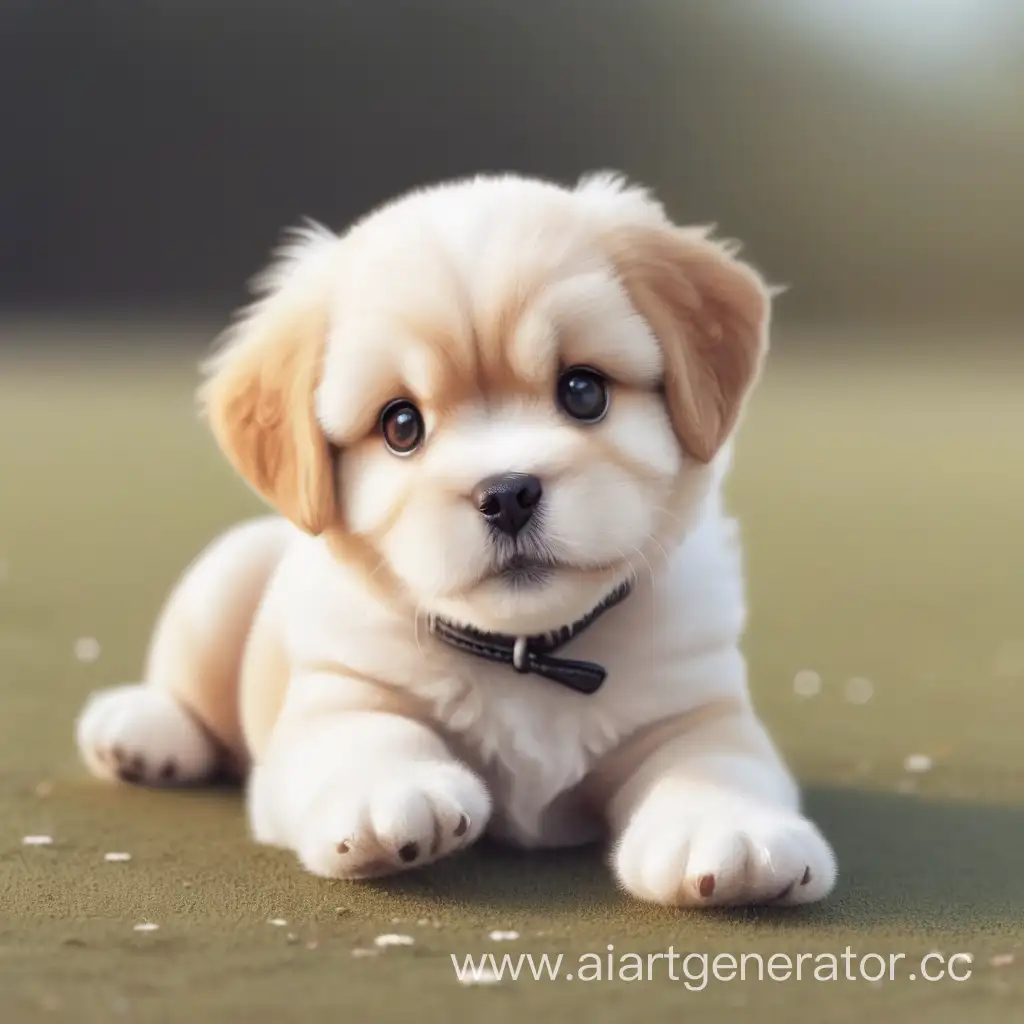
(710,313)
(260,388)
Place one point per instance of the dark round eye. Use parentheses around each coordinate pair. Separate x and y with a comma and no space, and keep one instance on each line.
(583,394)
(402,426)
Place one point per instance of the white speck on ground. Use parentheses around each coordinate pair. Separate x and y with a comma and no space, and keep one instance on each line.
(498,936)
(393,940)
(277,922)
(807,683)
(146,926)
(37,840)
(859,690)
(87,648)
(918,763)
(117,857)
(1002,960)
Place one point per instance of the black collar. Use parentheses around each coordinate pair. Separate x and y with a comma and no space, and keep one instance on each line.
(534,653)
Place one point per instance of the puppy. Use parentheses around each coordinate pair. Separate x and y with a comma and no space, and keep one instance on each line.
(501,592)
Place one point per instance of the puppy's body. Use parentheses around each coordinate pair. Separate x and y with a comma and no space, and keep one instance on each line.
(302,647)
(670,648)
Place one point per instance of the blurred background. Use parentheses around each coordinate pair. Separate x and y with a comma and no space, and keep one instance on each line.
(870,153)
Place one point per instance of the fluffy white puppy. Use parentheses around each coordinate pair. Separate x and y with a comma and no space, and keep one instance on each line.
(501,593)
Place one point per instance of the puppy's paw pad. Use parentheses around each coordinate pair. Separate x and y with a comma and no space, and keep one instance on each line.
(740,855)
(404,822)
(142,735)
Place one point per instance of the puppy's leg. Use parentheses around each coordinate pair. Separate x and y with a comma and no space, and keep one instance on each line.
(358,794)
(177,726)
(710,816)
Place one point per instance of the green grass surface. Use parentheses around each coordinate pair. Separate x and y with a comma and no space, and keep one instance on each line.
(882,506)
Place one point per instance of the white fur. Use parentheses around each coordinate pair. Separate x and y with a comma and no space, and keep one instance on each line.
(142,734)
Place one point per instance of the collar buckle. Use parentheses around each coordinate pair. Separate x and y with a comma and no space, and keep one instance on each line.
(515,651)
(521,654)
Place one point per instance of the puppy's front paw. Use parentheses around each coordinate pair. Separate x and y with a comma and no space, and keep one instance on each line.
(735,853)
(422,812)
(142,735)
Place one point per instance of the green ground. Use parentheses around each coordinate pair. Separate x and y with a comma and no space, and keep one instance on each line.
(882,507)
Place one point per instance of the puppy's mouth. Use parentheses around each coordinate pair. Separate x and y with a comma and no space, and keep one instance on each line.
(529,564)
(522,570)
(526,562)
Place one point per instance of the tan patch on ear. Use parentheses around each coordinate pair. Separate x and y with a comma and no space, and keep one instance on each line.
(710,313)
(259,398)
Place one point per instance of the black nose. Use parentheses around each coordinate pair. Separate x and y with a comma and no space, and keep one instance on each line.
(508,501)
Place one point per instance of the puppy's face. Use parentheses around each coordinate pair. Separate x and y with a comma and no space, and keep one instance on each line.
(500,398)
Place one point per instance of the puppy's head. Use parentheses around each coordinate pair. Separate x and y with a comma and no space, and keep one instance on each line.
(498,397)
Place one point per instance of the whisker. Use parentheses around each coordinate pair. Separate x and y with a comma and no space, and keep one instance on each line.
(654,540)
(416,635)
(670,514)
(643,557)
(634,578)
(416,628)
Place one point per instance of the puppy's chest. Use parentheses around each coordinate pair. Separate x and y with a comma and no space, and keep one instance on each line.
(535,739)
(531,738)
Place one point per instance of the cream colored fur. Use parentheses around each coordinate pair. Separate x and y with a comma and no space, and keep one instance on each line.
(294,651)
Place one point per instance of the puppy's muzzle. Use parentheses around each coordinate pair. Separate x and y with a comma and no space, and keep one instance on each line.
(508,501)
